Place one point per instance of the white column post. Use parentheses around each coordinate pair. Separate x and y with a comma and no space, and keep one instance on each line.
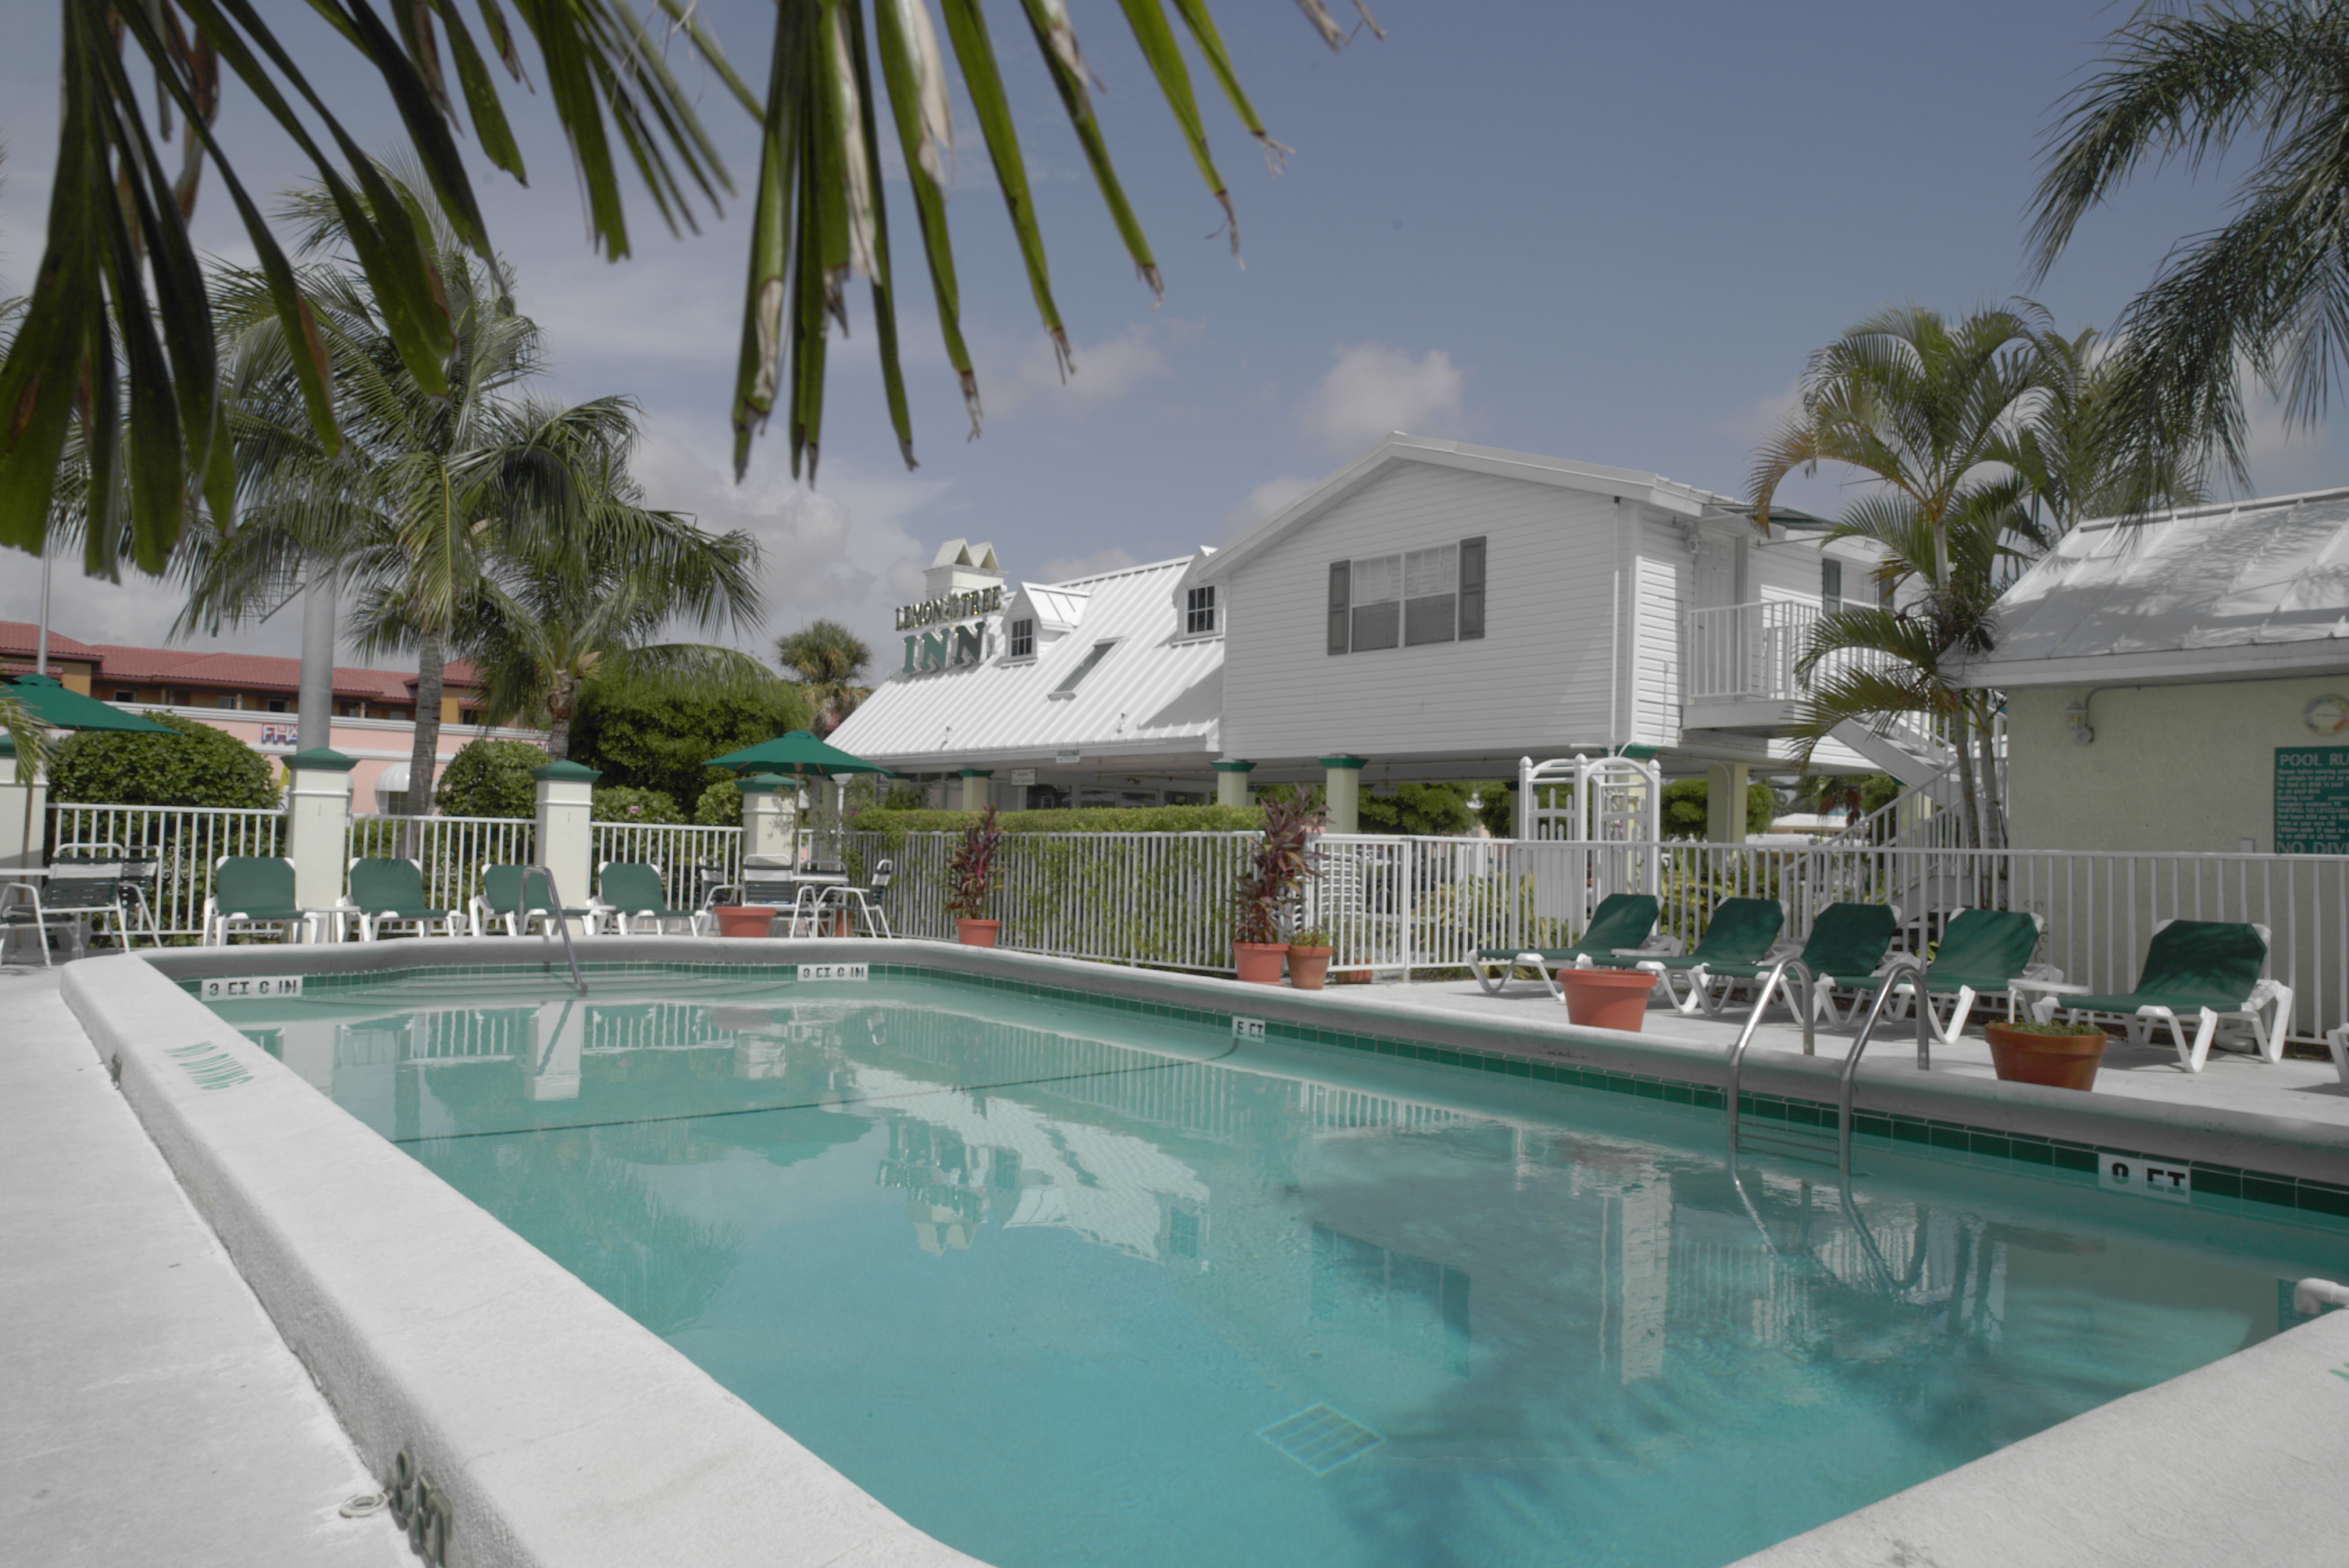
(1232,784)
(317,823)
(1342,790)
(566,845)
(974,787)
(1726,784)
(24,805)
(770,815)
(554,1050)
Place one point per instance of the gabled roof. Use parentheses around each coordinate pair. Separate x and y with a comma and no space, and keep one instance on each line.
(1597,478)
(2234,588)
(1154,692)
(19,638)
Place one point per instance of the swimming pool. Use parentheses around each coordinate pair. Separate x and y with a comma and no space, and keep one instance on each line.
(1062,1285)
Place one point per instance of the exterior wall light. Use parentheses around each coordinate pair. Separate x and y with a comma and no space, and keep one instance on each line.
(2075,720)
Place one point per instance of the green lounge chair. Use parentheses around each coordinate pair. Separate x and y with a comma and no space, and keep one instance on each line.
(1982,953)
(1742,930)
(500,902)
(1847,941)
(1622,920)
(631,891)
(391,893)
(252,892)
(2209,967)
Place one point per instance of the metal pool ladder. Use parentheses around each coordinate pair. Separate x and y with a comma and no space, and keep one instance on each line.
(1794,1142)
(554,917)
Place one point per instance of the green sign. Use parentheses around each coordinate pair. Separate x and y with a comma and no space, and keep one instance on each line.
(2312,801)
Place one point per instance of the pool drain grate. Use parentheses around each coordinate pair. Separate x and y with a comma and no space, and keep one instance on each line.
(1321,1439)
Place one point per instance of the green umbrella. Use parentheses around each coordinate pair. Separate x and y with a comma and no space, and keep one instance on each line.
(54,706)
(798,752)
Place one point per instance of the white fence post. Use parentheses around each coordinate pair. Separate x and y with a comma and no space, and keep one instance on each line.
(317,823)
(565,846)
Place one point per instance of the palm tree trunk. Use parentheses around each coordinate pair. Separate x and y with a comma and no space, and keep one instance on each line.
(1969,794)
(562,700)
(424,749)
(1994,797)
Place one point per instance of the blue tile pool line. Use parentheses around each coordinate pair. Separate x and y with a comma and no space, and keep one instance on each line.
(2299,1194)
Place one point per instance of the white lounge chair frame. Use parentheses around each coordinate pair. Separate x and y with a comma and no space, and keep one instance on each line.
(2272,997)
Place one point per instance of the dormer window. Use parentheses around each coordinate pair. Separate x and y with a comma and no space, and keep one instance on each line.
(1023,639)
(1199,613)
(1067,687)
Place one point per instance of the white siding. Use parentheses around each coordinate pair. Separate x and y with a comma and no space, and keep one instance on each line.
(1537,680)
(1664,578)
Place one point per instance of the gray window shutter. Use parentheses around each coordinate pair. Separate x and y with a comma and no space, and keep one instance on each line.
(1337,607)
(1472,589)
(1830,584)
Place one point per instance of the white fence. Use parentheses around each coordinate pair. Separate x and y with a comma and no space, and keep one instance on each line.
(176,845)
(678,851)
(450,849)
(1751,651)
(1157,899)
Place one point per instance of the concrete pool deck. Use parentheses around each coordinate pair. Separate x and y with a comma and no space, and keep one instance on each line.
(2229,1463)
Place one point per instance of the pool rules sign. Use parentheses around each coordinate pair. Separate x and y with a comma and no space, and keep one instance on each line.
(2312,801)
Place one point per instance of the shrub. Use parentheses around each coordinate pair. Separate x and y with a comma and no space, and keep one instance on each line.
(1275,874)
(622,803)
(720,805)
(200,766)
(1420,809)
(1687,803)
(650,736)
(490,778)
(896,824)
(971,875)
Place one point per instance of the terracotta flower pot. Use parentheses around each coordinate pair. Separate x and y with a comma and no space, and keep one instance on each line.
(1309,967)
(1608,998)
(744,919)
(1259,962)
(2059,1061)
(978,933)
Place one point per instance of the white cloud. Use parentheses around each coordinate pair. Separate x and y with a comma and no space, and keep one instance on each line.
(1103,373)
(1065,567)
(1756,421)
(1264,501)
(1373,390)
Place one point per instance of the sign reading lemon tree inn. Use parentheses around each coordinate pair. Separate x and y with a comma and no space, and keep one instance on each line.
(2312,801)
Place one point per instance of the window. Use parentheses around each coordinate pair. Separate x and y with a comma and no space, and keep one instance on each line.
(1023,639)
(276,705)
(1830,585)
(1886,590)
(124,694)
(1421,596)
(1199,613)
(1076,677)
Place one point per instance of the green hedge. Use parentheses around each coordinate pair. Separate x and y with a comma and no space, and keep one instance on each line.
(895,824)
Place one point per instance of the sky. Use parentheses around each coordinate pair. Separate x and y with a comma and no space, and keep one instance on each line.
(1610,234)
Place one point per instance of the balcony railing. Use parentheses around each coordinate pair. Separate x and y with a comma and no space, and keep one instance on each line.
(1748,653)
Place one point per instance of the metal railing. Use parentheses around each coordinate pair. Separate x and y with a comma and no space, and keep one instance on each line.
(1164,900)
(1750,652)
(451,851)
(171,848)
(677,851)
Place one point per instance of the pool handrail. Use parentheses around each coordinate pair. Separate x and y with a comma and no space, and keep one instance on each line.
(1900,962)
(554,904)
(1766,988)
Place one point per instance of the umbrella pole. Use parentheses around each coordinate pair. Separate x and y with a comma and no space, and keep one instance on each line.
(41,643)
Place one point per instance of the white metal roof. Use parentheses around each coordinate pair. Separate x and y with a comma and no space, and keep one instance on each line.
(1155,692)
(2233,588)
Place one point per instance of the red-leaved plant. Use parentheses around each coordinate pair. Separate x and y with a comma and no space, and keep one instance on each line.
(1274,876)
(971,875)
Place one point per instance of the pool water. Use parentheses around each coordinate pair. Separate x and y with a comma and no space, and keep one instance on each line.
(1071,1286)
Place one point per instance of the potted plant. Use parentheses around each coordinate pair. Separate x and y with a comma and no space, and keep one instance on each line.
(1269,883)
(2061,1056)
(971,878)
(1309,958)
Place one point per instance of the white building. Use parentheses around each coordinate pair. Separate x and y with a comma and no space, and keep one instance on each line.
(1432,611)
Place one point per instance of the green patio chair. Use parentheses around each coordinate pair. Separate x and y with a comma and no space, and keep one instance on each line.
(1847,941)
(1622,921)
(1982,953)
(630,891)
(1742,930)
(391,893)
(252,892)
(2207,967)
(500,902)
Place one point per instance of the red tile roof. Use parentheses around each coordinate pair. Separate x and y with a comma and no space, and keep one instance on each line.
(240,672)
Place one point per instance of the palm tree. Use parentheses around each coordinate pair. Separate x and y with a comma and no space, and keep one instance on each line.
(2267,288)
(829,659)
(2076,451)
(427,492)
(121,324)
(545,622)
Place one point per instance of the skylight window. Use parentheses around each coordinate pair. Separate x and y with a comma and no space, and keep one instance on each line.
(1076,677)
